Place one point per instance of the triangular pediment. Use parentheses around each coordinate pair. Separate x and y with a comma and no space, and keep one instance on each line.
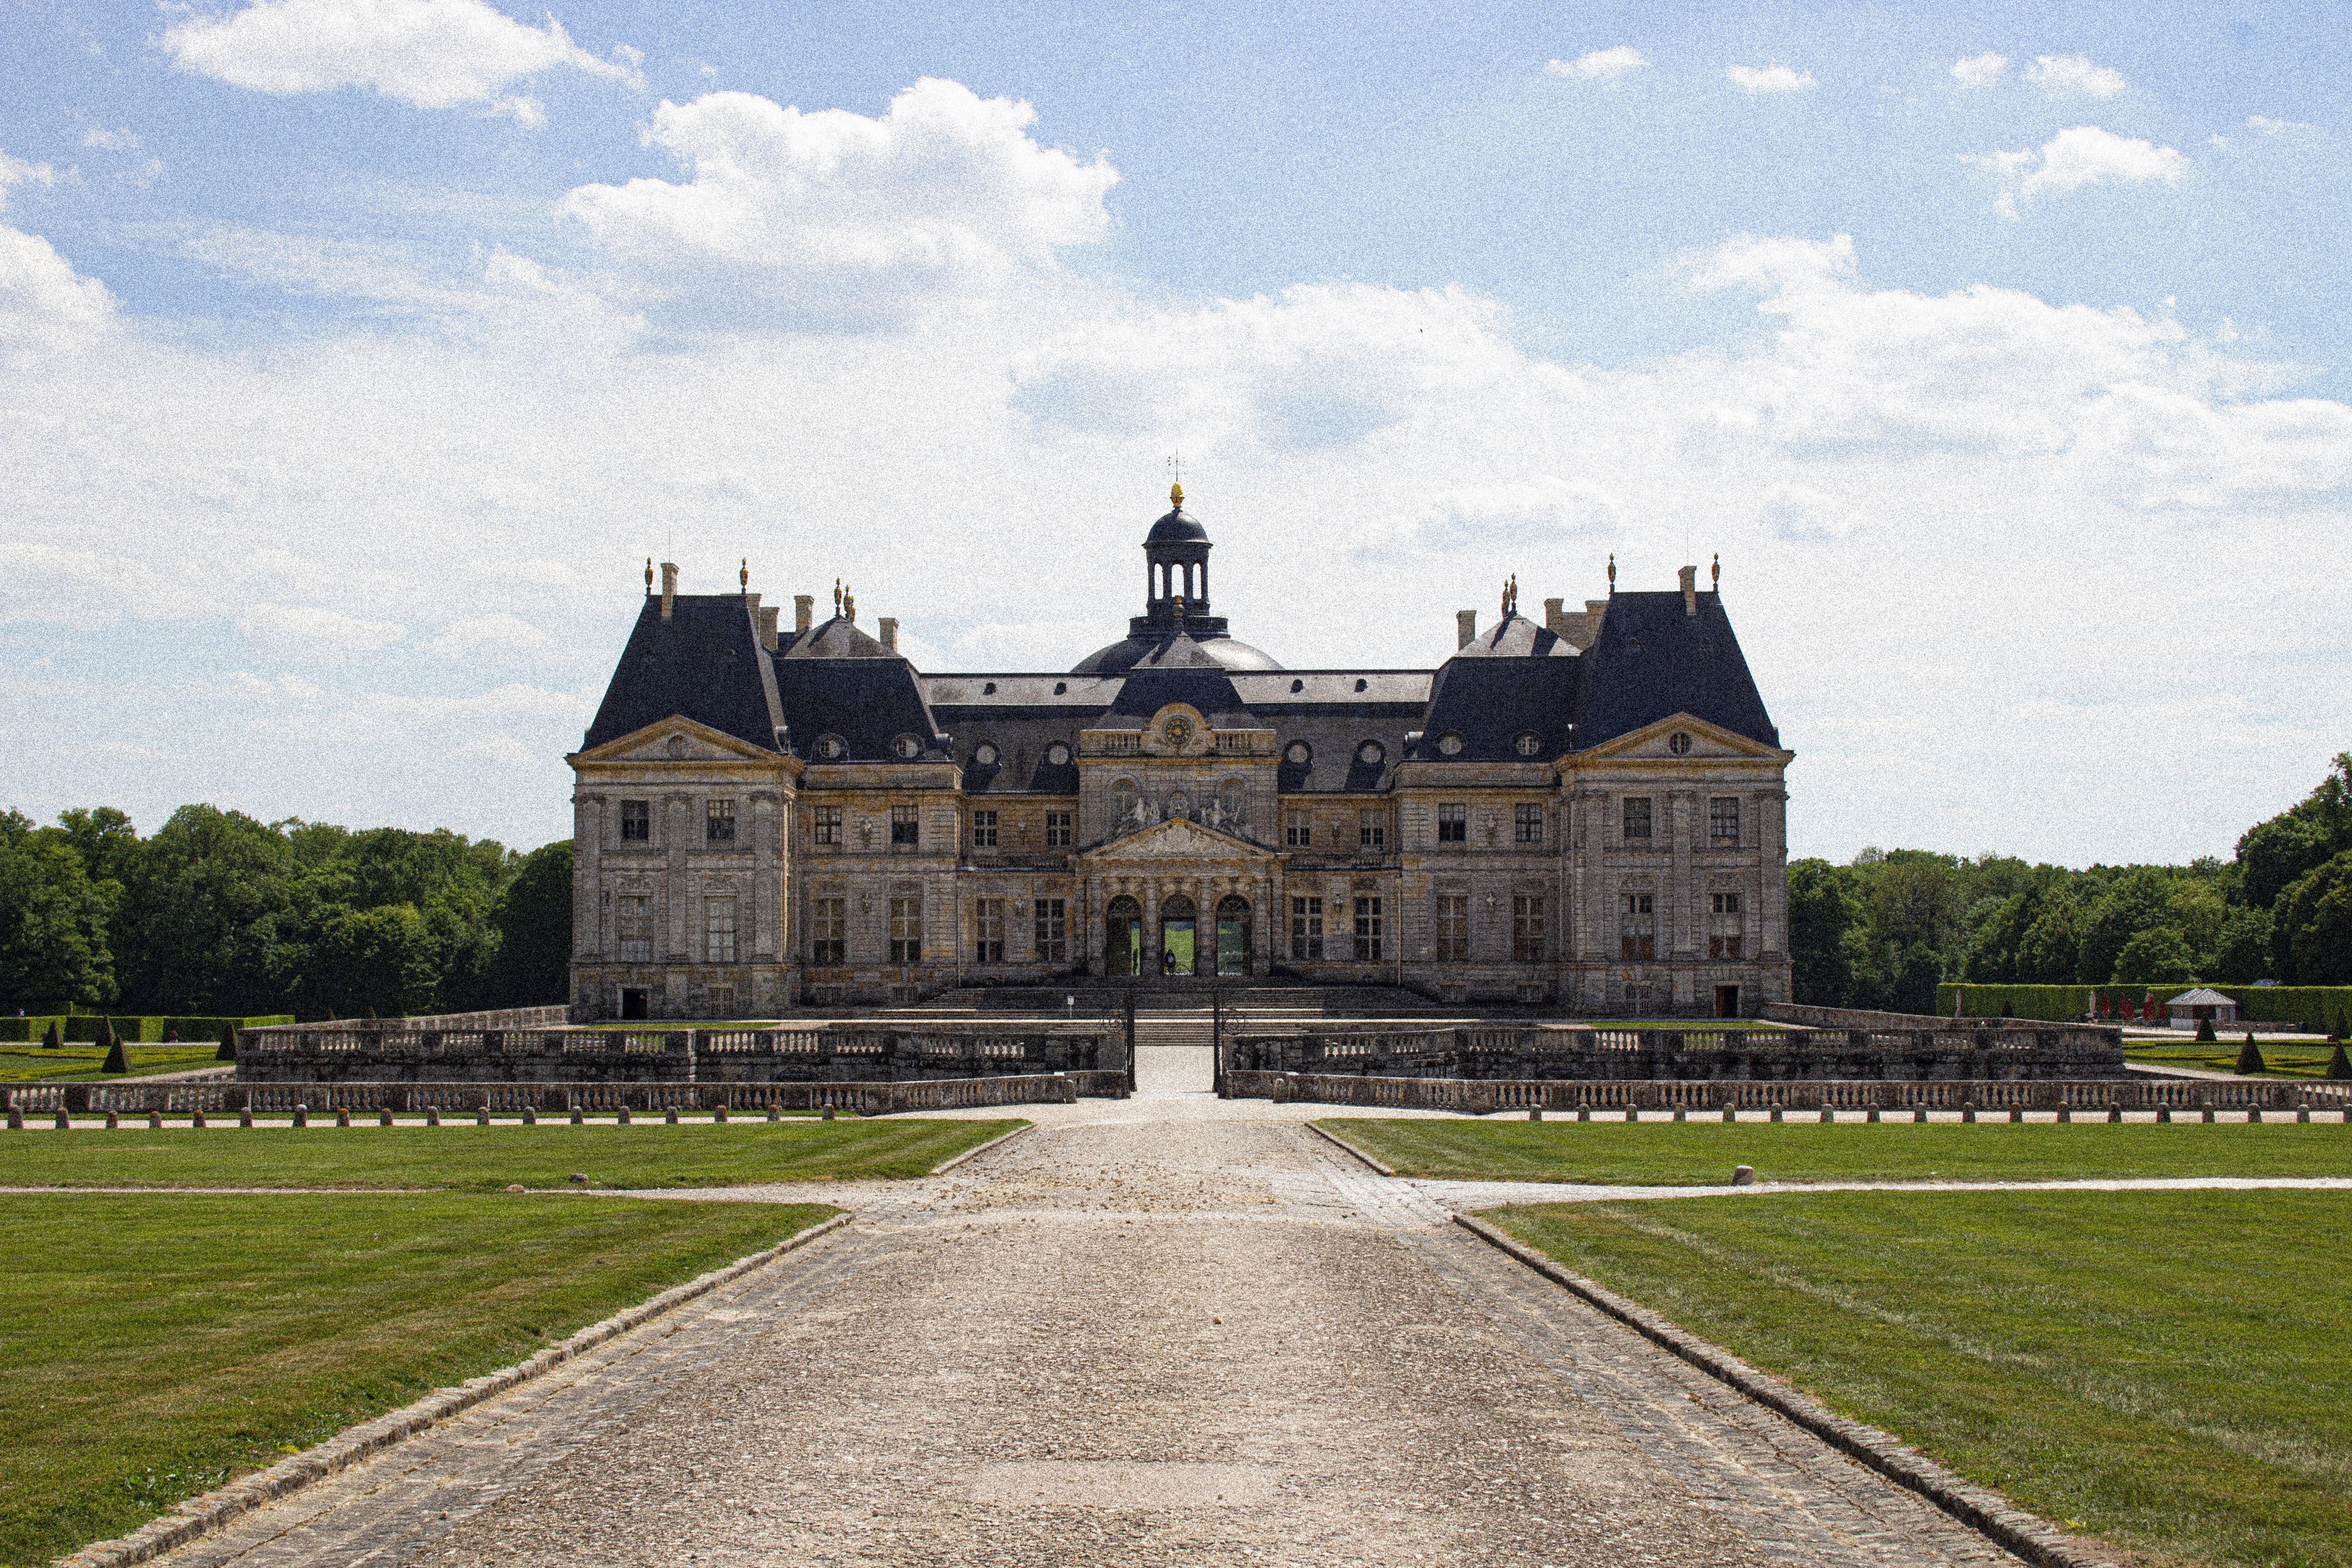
(1706,741)
(674,740)
(1177,839)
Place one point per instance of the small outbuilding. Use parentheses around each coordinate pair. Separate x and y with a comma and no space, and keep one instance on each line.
(2201,1005)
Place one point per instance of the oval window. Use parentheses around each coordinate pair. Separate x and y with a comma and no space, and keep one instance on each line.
(1449,744)
(1371,752)
(832,748)
(906,746)
(1058,754)
(1679,743)
(1300,754)
(986,754)
(1528,743)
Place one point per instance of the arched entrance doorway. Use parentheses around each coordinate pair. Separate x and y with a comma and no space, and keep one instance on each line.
(1233,935)
(1123,937)
(1178,936)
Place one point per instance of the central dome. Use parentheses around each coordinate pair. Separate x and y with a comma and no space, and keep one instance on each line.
(1178,652)
(1176,630)
(1177,528)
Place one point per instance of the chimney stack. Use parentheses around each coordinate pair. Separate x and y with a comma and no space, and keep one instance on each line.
(1556,617)
(1690,590)
(768,614)
(804,612)
(669,586)
(1465,627)
(889,625)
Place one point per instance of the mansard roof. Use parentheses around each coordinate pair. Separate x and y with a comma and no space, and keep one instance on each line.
(1654,659)
(704,663)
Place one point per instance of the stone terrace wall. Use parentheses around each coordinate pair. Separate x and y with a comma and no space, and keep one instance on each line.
(1479,1096)
(1977,1051)
(838,1053)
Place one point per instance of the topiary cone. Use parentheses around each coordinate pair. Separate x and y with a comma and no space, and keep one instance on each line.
(227,1052)
(116,1059)
(2250,1057)
(2205,1029)
(2339,1065)
(50,1038)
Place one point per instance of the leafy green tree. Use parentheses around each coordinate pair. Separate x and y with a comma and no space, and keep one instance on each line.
(2244,953)
(211,919)
(2299,840)
(2052,946)
(2137,901)
(533,922)
(1823,911)
(53,937)
(2313,924)
(378,962)
(2156,956)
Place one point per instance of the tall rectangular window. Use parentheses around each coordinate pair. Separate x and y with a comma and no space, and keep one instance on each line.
(1725,938)
(1453,928)
(637,822)
(829,933)
(1368,930)
(1306,930)
(906,825)
(1373,828)
(1527,823)
(827,824)
(1053,930)
(636,928)
(719,930)
(983,830)
(719,822)
(1453,825)
(1637,928)
(1723,821)
(1637,819)
(906,930)
(1057,830)
(988,930)
(1298,831)
(1527,928)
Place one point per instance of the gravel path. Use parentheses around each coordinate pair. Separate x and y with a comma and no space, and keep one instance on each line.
(1177,1334)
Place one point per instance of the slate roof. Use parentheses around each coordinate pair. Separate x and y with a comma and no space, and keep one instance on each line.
(704,663)
(1652,661)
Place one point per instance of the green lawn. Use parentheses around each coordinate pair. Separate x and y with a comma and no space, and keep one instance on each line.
(1688,1153)
(157,1346)
(462,1155)
(74,1063)
(2301,1059)
(2164,1369)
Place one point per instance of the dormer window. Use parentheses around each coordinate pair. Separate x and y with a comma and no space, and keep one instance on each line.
(1528,743)
(831,748)
(1449,744)
(907,748)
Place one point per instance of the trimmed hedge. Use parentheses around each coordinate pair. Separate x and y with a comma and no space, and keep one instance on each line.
(2325,1009)
(138,1029)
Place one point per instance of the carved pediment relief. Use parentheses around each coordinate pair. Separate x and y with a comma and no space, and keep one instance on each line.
(676,739)
(1178,840)
(1683,737)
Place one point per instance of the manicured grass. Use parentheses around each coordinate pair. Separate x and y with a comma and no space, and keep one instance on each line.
(1670,1153)
(2300,1059)
(2165,1370)
(157,1346)
(74,1063)
(466,1156)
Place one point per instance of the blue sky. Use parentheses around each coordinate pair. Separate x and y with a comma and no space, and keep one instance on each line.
(354,354)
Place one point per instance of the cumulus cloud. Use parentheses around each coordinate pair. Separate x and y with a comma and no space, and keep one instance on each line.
(2074,75)
(1760,80)
(122,140)
(944,189)
(45,304)
(1599,65)
(2081,155)
(433,53)
(2263,125)
(315,627)
(1980,70)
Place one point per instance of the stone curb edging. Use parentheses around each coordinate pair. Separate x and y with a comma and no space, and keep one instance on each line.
(1333,1139)
(2033,1538)
(201,1515)
(977,1150)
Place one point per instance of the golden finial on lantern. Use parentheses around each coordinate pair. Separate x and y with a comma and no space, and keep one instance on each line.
(744,576)
(836,597)
(1176,495)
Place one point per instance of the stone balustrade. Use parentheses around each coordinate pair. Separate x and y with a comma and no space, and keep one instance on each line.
(1954,1050)
(1480,1096)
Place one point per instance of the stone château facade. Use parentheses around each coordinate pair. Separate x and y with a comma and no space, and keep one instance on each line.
(1587,813)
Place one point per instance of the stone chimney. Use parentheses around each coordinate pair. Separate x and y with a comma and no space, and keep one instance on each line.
(1690,590)
(1465,627)
(1556,617)
(889,625)
(669,586)
(804,612)
(768,614)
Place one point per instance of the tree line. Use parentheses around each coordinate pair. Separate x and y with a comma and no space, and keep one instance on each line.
(1883,930)
(217,912)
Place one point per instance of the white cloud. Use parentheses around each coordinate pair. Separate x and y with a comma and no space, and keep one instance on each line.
(1760,80)
(43,304)
(1980,70)
(314,626)
(2081,155)
(16,171)
(1599,65)
(122,140)
(497,633)
(2263,124)
(433,53)
(2063,75)
(945,188)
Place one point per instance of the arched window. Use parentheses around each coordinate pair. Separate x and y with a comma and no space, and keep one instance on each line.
(1122,936)
(1122,803)
(1180,943)
(1233,935)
